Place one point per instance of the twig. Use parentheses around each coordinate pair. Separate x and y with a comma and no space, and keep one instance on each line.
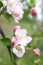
(8,47)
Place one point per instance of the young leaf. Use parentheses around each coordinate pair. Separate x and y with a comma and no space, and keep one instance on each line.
(5,41)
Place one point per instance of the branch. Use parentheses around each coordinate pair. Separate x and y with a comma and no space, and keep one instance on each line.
(2,33)
(8,47)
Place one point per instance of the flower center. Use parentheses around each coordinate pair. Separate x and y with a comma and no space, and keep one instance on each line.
(20,37)
(18,48)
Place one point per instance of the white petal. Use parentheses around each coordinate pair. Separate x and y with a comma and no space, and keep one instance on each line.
(11,1)
(4,3)
(39,17)
(21,32)
(9,10)
(39,13)
(38,3)
(20,53)
(25,41)
(15,19)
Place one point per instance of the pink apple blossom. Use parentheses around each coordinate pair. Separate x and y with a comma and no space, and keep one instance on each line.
(15,8)
(20,40)
(17,13)
(23,39)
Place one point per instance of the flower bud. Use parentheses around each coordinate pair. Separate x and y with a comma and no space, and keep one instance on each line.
(36,52)
(33,12)
(16,28)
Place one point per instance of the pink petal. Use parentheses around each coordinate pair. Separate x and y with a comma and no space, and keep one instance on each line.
(16,28)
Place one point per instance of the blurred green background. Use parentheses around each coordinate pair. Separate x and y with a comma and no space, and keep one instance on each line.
(34,29)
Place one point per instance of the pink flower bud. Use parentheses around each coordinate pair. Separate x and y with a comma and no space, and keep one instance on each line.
(33,12)
(14,40)
(36,52)
(16,28)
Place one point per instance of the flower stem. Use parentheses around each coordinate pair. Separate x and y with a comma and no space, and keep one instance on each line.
(8,47)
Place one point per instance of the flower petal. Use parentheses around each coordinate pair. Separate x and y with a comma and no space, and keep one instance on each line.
(20,53)
(21,32)
(24,41)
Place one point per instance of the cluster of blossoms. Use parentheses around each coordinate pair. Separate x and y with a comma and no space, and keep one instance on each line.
(19,41)
(15,8)
(36,12)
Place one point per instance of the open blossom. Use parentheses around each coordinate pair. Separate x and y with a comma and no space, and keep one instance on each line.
(20,40)
(23,39)
(36,52)
(19,51)
(17,13)
(15,8)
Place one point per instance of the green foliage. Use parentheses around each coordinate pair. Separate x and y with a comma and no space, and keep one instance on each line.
(28,46)
(4,56)
(1,4)
(40,44)
(7,16)
(32,3)
(5,41)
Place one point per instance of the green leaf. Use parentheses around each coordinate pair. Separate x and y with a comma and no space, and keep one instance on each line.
(1,4)
(28,47)
(32,3)
(5,41)
(8,17)
(4,56)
